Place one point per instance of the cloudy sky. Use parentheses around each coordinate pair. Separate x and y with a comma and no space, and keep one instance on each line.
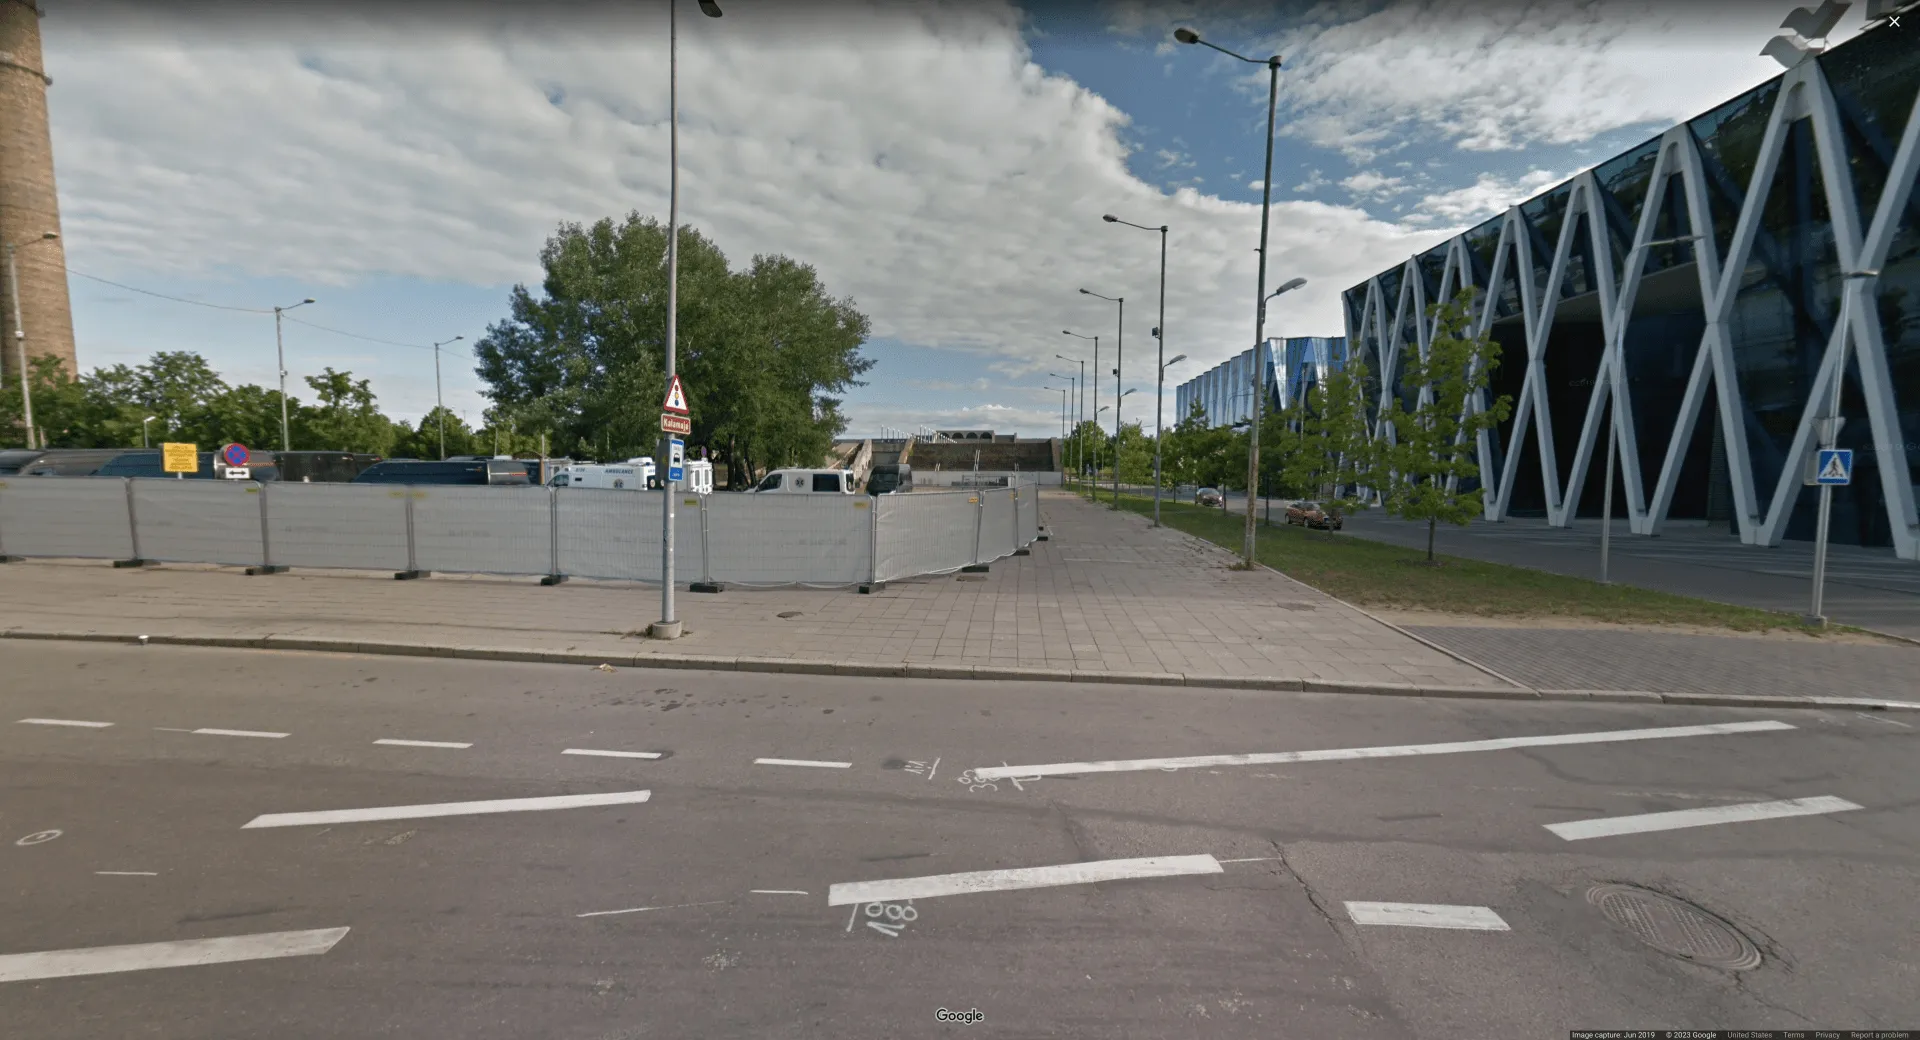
(945,164)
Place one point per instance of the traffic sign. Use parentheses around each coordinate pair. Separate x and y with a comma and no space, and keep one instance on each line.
(1836,466)
(671,423)
(179,458)
(676,398)
(238,473)
(676,459)
(235,454)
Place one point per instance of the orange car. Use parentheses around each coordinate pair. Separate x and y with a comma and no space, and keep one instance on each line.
(1309,514)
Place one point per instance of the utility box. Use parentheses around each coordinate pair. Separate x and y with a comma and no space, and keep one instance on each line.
(700,477)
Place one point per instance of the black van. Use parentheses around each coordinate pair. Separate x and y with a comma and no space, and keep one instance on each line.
(892,478)
(414,471)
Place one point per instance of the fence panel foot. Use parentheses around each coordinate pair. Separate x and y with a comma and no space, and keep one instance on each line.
(868,588)
(706,586)
(1023,552)
(553,579)
(974,568)
(266,568)
(13,559)
(120,564)
(409,575)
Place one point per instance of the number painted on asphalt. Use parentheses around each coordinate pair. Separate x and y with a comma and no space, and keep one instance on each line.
(38,837)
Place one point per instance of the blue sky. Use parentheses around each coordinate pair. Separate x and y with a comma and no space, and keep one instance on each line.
(946,166)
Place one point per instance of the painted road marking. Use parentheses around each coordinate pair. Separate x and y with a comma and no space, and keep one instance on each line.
(1671,821)
(1251,859)
(240,733)
(610,754)
(775,892)
(1396,751)
(127,873)
(422,743)
(64,722)
(644,909)
(1019,878)
(415,812)
(102,960)
(1427,915)
(801,762)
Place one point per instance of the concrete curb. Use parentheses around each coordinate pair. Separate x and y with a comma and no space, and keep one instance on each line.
(991,673)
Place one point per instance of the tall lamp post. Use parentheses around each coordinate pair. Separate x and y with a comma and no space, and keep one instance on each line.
(1634,259)
(1094,387)
(1119,360)
(280,344)
(437,398)
(20,331)
(669,627)
(1080,406)
(1258,388)
(1266,208)
(1063,420)
(1073,384)
(1159,334)
(1830,438)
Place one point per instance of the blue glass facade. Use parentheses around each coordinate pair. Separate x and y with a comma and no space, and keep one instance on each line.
(1715,404)
(1225,392)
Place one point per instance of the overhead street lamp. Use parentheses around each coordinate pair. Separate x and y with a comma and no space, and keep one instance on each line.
(668,627)
(1063,419)
(1073,383)
(1159,334)
(143,430)
(1079,410)
(1119,360)
(1092,386)
(20,331)
(1266,207)
(280,343)
(438,399)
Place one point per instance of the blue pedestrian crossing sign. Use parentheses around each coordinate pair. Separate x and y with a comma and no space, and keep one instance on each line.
(1835,467)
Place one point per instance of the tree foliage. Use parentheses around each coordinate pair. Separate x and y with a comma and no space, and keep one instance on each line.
(763,352)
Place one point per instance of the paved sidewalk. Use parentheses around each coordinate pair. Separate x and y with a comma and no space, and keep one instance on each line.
(1107,594)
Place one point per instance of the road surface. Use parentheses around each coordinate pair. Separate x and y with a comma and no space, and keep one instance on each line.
(205,844)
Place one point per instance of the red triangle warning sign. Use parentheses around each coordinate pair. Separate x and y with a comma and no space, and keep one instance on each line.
(676,398)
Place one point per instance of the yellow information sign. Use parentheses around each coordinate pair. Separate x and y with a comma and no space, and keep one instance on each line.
(179,458)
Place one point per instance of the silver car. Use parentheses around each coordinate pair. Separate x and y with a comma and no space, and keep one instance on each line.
(1209,497)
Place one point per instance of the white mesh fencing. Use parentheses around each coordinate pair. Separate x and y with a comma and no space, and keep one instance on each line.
(198,521)
(65,516)
(1029,514)
(924,533)
(998,534)
(777,539)
(362,526)
(483,530)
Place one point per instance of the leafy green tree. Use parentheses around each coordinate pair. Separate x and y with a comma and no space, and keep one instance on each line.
(1435,448)
(763,353)
(423,441)
(248,415)
(62,409)
(1333,448)
(345,418)
(1092,446)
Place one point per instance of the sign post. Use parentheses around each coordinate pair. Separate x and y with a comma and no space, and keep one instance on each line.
(675,418)
(179,459)
(1833,467)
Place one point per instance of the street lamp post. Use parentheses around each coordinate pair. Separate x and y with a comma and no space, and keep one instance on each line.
(1119,362)
(668,627)
(1080,408)
(1093,387)
(280,344)
(439,400)
(1266,208)
(1830,438)
(1073,384)
(143,430)
(20,333)
(1634,259)
(1159,334)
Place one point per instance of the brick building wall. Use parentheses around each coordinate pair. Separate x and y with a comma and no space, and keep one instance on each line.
(29,205)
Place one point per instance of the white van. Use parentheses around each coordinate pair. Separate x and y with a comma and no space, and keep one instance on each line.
(632,475)
(808,481)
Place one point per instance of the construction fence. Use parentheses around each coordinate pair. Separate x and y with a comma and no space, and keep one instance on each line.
(742,539)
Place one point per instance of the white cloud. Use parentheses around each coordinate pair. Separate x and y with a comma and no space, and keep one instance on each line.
(1372,184)
(922,164)
(1314,182)
(1487,196)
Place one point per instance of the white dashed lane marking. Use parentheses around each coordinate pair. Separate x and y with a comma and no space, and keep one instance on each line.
(65,722)
(1019,878)
(1578,830)
(801,762)
(393,742)
(104,960)
(414,812)
(240,733)
(610,754)
(1427,915)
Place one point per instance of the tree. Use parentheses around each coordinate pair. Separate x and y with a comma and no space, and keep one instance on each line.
(1422,472)
(1092,445)
(762,352)
(345,417)
(1333,449)
(249,415)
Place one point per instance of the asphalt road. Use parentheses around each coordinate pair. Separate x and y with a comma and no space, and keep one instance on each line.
(502,924)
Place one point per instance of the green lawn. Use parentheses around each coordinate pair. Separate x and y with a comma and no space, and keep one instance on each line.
(1374,574)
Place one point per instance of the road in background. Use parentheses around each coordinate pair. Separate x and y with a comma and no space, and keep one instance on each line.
(708,909)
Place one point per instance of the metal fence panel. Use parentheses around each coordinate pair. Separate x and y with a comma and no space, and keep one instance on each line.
(65,516)
(355,526)
(997,534)
(924,533)
(198,521)
(610,534)
(482,530)
(775,539)
(1029,514)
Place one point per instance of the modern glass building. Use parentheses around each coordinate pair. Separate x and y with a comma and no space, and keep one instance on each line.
(1288,367)
(1709,360)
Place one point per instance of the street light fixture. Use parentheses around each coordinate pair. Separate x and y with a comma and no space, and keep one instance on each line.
(1119,361)
(1086,386)
(669,627)
(1188,36)
(1074,383)
(280,344)
(143,430)
(20,331)
(1160,336)
(438,399)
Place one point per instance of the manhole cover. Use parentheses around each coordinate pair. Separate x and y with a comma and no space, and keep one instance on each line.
(1676,927)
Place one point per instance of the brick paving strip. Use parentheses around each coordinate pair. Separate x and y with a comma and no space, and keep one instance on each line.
(1106,599)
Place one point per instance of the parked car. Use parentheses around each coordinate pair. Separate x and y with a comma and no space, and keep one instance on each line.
(319,467)
(415,471)
(1309,514)
(889,479)
(1210,497)
(807,481)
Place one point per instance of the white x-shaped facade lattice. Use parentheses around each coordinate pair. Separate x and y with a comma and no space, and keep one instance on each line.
(1760,513)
